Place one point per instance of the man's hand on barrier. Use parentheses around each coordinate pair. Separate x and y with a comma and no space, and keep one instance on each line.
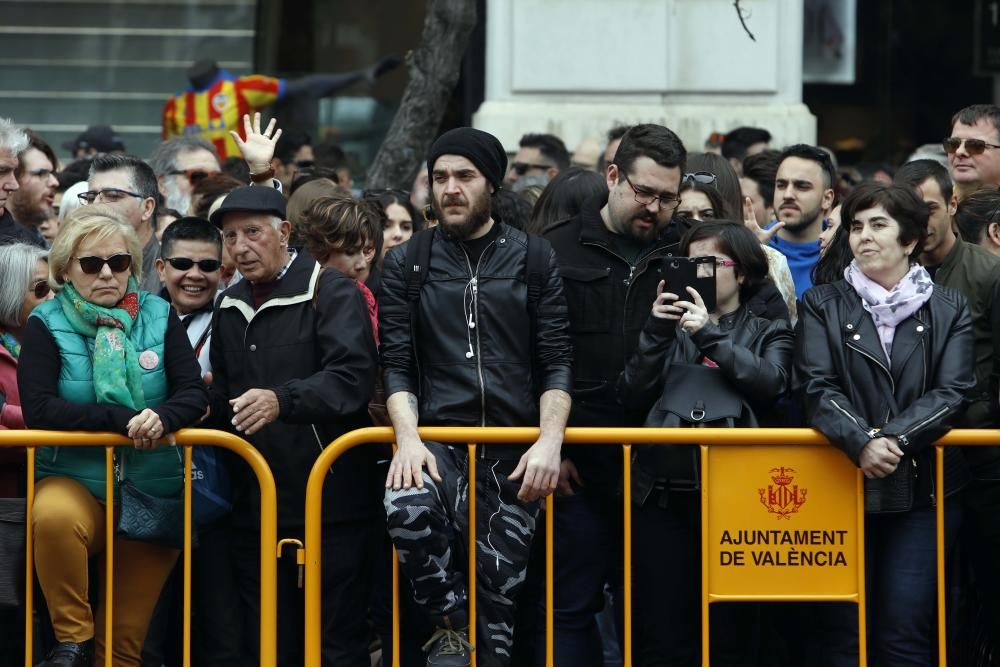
(568,476)
(254,410)
(145,428)
(406,468)
(880,457)
(540,468)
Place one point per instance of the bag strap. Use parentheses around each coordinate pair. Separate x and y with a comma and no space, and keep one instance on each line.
(416,264)
(536,270)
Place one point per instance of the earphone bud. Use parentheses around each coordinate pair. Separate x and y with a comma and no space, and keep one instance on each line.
(472,324)
(470,353)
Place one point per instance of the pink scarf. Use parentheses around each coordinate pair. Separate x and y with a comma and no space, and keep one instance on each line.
(890,307)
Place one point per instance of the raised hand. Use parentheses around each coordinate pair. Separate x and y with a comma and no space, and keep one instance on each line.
(258,147)
(750,222)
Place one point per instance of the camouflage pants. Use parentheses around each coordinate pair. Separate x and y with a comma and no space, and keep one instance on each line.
(429,528)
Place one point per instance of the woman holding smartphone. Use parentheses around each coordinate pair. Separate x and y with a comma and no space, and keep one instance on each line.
(696,367)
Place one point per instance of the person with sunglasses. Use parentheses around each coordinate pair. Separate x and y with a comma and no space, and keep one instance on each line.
(180,164)
(541,156)
(24,283)
(190,265)
(690,358)
(974,149)
(103,356)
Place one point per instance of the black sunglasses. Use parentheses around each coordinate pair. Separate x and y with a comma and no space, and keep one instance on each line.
(41,289)
(521,168)
(117,263)
(185,263)
(193,176)
(972,146)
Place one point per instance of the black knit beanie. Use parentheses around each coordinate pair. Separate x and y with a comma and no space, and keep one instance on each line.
(482,148)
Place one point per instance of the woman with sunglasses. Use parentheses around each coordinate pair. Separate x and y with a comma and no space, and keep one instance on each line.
(724,367)
(103,356)
(24,272)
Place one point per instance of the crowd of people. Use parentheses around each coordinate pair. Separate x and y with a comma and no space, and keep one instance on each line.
(741,286)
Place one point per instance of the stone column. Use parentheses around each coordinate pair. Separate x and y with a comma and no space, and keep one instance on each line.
(576,68)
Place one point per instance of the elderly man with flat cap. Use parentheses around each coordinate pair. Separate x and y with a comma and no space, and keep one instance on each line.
(294,361)
(474,333)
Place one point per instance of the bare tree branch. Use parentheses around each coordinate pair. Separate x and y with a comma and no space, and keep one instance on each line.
(433,70)
(743,16)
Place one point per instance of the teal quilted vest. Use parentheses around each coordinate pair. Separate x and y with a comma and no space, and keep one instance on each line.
(158,472)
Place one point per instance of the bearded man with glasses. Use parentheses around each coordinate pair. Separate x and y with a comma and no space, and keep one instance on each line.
(609,257)
(974,149)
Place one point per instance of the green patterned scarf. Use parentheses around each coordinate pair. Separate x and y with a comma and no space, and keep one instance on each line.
(117,377)
(10,344)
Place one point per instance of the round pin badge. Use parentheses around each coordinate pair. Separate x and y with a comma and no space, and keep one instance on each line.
(149,360)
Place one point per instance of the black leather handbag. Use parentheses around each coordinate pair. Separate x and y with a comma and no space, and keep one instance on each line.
(12,545)
(151,519)
(693,396)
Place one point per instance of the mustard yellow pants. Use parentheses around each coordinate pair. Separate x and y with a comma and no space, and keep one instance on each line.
(69,529)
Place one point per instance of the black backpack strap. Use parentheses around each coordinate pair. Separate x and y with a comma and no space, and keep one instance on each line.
(416,263)
(536,271)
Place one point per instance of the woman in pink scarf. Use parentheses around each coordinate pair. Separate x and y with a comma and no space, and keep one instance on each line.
(884,360)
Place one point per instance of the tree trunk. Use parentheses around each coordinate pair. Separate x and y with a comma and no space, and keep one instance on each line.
(433,70)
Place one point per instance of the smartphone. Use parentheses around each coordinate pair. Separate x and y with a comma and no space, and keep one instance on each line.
(696,272)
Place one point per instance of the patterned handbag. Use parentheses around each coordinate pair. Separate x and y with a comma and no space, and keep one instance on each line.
(147,518)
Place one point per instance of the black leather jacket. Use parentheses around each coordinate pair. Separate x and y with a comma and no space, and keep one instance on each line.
(754,354)
(512,361)
(851,396)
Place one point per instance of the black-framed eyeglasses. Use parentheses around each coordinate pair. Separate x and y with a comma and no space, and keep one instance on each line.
(522,168)
(40,289)
(185,264)
(666,202)
(109,195)
(703,177)
(117,263)
(972,146)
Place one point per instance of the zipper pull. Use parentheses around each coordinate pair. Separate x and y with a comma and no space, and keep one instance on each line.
(118,470)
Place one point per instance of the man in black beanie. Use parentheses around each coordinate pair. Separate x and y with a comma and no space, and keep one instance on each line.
(474,333)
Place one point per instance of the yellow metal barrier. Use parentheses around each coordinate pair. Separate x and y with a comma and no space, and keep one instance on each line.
(186,438)
(624,437)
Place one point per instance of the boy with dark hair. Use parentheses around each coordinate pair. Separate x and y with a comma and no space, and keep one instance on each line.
(188,265)
(744,141)
(757,183)
(345,234)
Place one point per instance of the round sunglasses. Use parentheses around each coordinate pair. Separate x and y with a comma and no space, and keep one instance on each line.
(40,289)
